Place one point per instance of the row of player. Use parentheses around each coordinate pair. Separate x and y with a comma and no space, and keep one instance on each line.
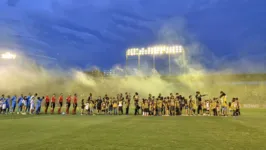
(169,105)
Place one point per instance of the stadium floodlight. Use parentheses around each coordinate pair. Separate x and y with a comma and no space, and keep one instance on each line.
(156,50)
(8,55)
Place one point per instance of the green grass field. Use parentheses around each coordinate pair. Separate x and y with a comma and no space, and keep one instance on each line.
(133,132)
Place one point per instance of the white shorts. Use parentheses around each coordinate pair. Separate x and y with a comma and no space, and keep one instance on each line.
(4,106)
(87,107)
(24,102)
(31,106)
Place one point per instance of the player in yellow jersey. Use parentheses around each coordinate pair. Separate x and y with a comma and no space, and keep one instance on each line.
(159,106)
(146,108)
(166,107)
(150,107)
(110,106)
(103,107)
(225,107)
(115,105)
(190,107)
(213,107)
(194,107)
(91,107)
(177,107)
(155,108)
(222,102)
(172,106)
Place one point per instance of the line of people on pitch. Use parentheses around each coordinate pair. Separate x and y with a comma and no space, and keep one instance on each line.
(32,104)
(169,105)
(20,104)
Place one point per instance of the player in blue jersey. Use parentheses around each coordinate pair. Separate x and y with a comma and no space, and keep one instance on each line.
(6,106)
(24,105)
(20,103)
(14,103)
(38,105)
(28,102)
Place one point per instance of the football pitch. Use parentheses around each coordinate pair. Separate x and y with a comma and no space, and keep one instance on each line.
(43,132)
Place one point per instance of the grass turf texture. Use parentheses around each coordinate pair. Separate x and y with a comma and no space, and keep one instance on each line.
(133,132)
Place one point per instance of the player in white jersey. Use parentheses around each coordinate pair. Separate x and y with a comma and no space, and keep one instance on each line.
(207,107)
(32,103)
(1,103)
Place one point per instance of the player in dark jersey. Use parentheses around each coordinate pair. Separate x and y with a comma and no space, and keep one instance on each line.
(136,101)
(82,106)
(127,103)
(199,102)
(68,103)
(75,104)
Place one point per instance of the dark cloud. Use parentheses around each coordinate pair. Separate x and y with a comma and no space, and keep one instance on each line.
(220,27)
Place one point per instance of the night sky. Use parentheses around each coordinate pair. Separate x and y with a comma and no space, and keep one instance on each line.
(85,33)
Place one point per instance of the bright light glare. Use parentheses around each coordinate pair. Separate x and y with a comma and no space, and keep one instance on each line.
(8,56)
(156,50)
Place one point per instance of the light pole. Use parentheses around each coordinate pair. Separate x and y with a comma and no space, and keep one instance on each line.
(153,61)
(126,63)
(169,63)
(139,62)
